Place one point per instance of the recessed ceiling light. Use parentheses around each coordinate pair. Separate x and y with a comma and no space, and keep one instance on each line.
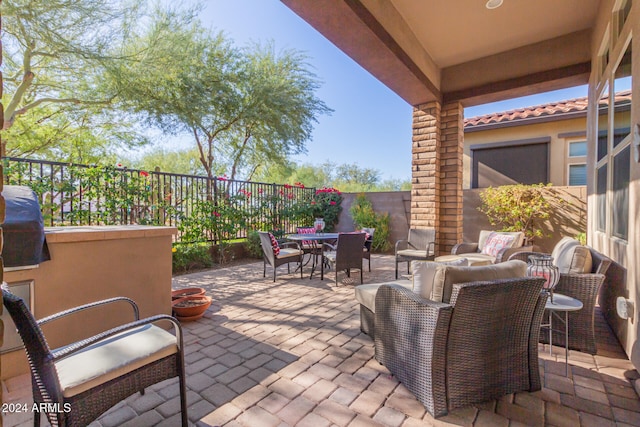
(494,4)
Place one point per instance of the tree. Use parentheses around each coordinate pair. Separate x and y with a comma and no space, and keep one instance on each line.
(57,55)
(243,107)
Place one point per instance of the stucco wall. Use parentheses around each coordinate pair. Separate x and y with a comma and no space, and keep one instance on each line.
(558,145)
(625,253)
(93,263)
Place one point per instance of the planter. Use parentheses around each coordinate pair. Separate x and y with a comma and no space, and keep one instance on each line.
(190,307)
(181,293)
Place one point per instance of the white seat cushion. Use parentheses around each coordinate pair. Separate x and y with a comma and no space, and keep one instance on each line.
(114,357)
(473,258)
(366,294)
(330,255)
(412,253)
(288,252)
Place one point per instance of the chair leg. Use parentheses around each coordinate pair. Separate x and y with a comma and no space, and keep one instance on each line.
(301,259)
(361,276)
(396,268)
(36,419)
(183,399)
(274,274)
(264,268)
(369,259)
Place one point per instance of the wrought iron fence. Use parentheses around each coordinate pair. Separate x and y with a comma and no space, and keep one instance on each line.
(202,208)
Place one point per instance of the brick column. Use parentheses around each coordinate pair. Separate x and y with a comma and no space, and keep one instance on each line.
(436,190)
(451,152)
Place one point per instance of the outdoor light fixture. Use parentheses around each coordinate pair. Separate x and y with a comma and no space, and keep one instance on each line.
(493,4)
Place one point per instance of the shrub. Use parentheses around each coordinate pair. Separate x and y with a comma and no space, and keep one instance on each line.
(187,256)
(326,204)
(516,207)
(364,216)
(254,249)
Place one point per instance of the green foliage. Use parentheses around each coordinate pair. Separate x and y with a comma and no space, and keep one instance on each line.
(349,178)
(363,215)
(253,246)
(326,204)
(189,256)
(582,238)
(516,207)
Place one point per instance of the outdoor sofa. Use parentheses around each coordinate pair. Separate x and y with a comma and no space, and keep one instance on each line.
(474,340)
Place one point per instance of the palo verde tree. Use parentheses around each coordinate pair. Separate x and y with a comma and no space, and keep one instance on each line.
(56,54)
(243,107)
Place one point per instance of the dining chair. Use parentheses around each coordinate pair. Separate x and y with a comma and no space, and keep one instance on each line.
(76,383)
(276,254)
(368,243)
(346,254)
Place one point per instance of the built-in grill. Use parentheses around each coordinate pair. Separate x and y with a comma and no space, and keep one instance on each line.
(23,229)
(24,249)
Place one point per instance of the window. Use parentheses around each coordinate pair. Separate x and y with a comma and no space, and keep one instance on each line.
(578,174)
(601,198)
(578,149)
(620,219)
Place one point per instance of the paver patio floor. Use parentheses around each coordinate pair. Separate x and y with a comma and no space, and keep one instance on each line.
(291,353)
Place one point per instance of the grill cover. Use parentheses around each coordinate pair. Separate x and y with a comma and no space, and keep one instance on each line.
(23,228)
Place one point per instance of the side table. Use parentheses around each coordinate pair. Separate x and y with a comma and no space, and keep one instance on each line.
(561,303)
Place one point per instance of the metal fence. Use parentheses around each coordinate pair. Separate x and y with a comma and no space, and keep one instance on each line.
(202,208)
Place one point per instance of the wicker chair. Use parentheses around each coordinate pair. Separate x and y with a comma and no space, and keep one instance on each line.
(367,245)
(289,252)
(81,381)
(481,346)
(584,287)
(419,246)
(346,254)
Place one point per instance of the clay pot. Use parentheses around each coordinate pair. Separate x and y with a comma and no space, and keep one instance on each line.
(190,307)
(181,293)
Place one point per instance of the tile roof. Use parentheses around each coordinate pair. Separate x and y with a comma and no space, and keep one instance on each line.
(559,109)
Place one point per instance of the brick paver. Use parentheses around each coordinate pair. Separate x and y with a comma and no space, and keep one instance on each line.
(291,353)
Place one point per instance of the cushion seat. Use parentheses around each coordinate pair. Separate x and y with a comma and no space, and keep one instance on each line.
(112,357)
(412,253)
(366,294)
(288,252)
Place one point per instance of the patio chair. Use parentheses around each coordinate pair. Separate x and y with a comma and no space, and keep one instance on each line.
(368,243)
(276,254)
(346,254)
(492,247)
(79,382)
(480,346)
(582,273)
(419,246)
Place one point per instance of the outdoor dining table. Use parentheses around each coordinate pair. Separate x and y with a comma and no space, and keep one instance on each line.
(316,238)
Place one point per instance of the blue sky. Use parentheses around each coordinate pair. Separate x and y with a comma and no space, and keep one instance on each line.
(370,125)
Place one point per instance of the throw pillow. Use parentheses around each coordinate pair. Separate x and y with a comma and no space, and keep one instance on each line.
(496,242)
(424,273)
(274,245)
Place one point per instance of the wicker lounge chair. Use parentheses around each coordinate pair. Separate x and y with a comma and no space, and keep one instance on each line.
(584,287)
(346,254)
(79,382)
(419,246)
(288,252)
(481,346)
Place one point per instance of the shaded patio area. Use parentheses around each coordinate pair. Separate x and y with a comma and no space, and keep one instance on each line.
(291,353)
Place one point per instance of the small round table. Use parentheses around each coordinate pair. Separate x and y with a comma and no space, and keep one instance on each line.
(561,303)
(314,237)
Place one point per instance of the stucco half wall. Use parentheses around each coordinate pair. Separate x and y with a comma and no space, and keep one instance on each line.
(93,263)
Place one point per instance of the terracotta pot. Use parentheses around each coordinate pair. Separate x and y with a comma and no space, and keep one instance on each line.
(190,307)
(181,293)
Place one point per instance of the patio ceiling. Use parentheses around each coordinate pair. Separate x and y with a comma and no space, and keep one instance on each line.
(460,50)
